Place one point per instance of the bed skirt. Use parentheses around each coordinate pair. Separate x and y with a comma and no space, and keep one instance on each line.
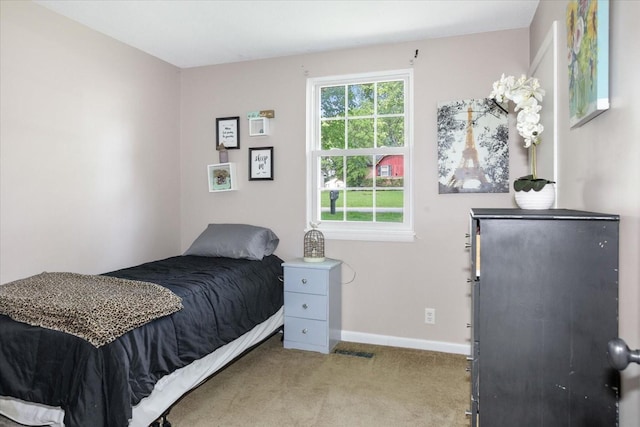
(167,390)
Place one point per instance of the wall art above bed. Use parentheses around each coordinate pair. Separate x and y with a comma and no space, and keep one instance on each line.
(473,147)
(260,163)
(228,132)
(222,177)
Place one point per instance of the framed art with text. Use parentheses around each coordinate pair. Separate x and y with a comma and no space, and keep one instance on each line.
(260,163)
(228,132)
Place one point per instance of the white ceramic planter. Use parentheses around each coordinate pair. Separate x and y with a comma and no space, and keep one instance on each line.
(542,199)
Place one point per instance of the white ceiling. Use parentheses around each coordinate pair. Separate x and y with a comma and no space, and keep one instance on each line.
(191,33)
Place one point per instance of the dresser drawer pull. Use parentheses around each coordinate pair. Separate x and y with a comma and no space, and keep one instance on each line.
(467,413)
(467,369)
(305,306)
(304,281)
(469,359)
(305,330)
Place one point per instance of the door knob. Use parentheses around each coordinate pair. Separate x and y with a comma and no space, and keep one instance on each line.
(620,355)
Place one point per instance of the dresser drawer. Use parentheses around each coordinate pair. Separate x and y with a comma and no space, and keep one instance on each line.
(305,331)
(308,306)
(306,280)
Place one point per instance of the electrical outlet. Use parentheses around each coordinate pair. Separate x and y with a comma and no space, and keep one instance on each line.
(430,316)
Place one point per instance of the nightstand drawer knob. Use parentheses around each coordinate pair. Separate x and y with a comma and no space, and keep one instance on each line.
(304,281)
(305,330)
(305,306)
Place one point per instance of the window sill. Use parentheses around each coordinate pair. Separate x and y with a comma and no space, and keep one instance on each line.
(369,235)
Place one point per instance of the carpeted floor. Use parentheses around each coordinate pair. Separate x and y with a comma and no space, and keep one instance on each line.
(271,386)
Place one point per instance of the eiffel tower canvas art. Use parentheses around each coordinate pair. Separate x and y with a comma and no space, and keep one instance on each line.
(473,150)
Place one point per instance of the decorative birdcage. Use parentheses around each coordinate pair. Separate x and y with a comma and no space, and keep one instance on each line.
(314,245)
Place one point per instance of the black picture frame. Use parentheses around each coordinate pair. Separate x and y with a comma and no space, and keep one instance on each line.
(228,132)
(261,164)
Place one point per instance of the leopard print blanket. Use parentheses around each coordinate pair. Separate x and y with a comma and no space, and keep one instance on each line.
(98,309)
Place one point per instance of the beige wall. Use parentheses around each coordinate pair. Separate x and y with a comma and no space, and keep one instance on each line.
(103,153)
(89,172)
(599,163)
(394,282)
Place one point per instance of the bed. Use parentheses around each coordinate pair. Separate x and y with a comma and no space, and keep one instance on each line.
(229,283)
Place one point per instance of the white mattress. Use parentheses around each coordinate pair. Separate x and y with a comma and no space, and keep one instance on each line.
(165,393)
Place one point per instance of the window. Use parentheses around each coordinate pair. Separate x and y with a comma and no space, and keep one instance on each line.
(384,170)
(359,146)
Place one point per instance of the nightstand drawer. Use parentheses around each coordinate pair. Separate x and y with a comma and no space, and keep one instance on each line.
(306,280)
(305,331)
(308,306)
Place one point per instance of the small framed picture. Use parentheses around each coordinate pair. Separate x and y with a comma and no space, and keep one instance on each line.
(260,163)
(228,132)
(222,177)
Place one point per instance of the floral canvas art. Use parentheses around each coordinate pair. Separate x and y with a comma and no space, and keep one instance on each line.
(588,58)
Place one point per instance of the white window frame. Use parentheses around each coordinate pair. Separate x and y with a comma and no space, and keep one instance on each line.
(385,171)
(347,230)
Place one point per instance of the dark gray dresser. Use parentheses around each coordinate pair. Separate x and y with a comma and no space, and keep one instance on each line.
(544,305)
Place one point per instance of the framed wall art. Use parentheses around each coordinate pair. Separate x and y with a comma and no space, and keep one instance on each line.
(588,53)
(228,132)
(473,147)
(260,163)
(222,177)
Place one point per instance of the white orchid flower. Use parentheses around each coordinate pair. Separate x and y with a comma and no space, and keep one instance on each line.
(526,93)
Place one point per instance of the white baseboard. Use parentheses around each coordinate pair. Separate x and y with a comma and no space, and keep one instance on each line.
(441,346)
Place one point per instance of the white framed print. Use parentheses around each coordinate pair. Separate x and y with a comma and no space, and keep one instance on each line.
(222,177)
